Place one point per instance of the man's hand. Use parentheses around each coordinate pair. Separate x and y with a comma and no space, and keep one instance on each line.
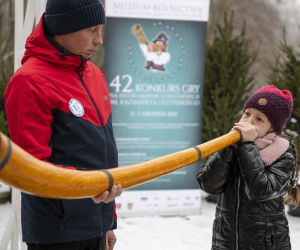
(110,240)
(249,131)
(109,196)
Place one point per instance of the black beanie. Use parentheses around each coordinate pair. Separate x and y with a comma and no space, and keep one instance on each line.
(67,16)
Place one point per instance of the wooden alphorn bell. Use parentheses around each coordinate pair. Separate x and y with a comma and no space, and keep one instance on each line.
(21,170)
(137,30)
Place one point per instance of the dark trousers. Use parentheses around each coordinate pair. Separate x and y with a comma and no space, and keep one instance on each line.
(91,244)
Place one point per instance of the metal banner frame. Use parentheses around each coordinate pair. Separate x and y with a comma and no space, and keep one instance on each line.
(156,95)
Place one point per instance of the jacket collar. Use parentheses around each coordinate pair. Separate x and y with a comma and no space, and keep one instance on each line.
(38,46)
(56,45)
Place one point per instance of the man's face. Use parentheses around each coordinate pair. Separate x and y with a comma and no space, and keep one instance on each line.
(83,42)
(159,46)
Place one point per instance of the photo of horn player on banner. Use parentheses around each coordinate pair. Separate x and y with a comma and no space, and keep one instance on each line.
(156,55)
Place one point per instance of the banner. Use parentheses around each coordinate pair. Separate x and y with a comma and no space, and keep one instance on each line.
(154,68)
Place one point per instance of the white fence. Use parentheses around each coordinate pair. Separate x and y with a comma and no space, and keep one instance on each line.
(23,28)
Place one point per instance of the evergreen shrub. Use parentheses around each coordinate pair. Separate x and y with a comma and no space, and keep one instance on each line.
(228,79)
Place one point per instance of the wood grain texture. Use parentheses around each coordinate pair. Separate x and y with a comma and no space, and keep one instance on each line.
(33,176)
(217,144)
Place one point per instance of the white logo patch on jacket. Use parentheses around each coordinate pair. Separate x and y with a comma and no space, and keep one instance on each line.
(76,108)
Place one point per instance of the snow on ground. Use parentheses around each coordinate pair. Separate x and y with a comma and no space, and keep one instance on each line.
(177,233)
(155,232)
(164,233)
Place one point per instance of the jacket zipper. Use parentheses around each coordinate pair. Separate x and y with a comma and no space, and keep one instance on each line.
(98,113)
(62,228)
(61,224)
(237,215)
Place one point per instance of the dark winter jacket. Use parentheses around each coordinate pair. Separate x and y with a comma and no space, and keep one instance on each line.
(250,212)
(40,120)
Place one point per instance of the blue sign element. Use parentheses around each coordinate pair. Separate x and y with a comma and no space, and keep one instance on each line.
(155,71)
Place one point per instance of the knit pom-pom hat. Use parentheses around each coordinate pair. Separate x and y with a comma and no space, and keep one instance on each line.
(67,16)
(276,104)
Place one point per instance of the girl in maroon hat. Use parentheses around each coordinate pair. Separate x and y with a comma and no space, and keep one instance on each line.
(252,177)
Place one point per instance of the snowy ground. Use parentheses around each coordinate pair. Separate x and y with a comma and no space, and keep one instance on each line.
(176,233)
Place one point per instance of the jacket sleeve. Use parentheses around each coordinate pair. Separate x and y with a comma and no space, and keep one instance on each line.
(217,171)
(28,110)
(263,183)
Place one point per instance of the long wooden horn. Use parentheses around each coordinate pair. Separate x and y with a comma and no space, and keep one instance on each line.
(21,170)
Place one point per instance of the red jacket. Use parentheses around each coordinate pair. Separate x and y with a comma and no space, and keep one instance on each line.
(39,109)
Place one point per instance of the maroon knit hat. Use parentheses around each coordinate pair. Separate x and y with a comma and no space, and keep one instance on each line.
(276,104)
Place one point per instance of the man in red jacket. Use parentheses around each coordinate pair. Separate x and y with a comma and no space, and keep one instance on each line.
(58,109)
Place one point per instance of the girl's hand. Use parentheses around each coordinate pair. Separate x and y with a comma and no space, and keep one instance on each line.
(249,131)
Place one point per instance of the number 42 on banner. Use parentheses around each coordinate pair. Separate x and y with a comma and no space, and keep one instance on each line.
(116,83)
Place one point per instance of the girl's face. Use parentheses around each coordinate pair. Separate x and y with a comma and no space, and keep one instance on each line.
(258,119)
